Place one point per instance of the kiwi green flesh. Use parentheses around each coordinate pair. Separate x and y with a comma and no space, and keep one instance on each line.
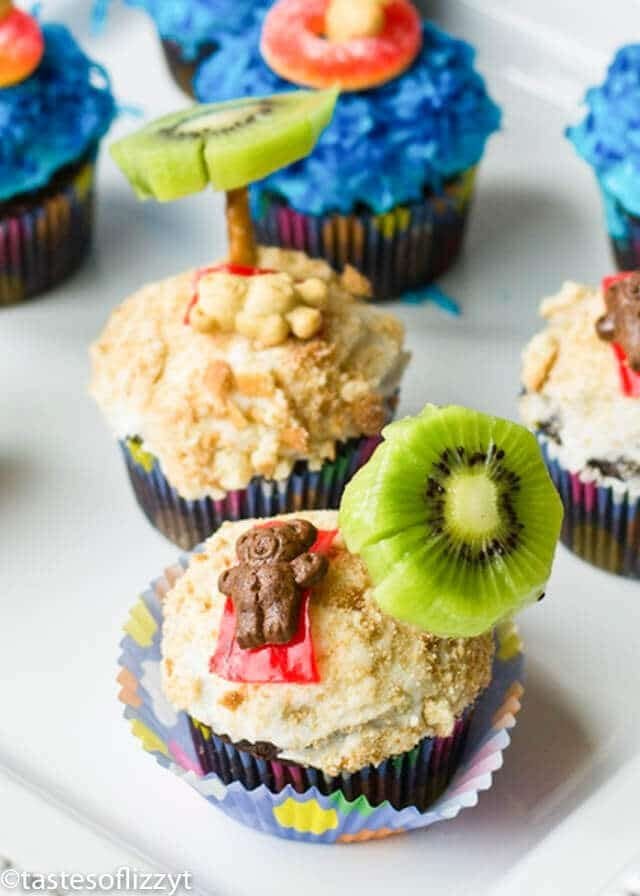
(228,145)
(460,579)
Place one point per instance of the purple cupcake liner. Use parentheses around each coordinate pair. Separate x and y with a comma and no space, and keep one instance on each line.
(187,523)
(45,238)
(624,232)
(415,778)
(402,250)
(626,247)
(601,523)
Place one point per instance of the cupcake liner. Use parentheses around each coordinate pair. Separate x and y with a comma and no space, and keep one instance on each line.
(402,250)
(601,523)
(624,232)
(447,774)
(183,70)
(416,778)
(187,523)
(46,237)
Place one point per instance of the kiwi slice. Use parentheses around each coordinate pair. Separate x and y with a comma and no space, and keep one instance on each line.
(228,145)
(456,519)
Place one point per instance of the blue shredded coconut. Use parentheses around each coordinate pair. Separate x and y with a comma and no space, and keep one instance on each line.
(192,23)
(54,117)
(384,146)
(433,293)
(609,136)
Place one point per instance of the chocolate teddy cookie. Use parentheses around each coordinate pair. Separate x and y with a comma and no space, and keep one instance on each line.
(621,323)
(266,586)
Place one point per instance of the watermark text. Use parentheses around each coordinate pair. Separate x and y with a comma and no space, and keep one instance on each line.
(123,880)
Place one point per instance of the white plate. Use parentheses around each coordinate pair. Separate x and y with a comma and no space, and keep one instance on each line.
(75,549)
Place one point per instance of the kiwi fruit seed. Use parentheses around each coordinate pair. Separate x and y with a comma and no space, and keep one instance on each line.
(228,145)
(456,519)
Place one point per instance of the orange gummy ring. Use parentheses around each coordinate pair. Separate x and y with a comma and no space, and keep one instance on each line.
(21,46)
(294,46)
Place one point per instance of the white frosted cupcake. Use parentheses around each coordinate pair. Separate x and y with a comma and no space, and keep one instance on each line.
(334,677)
(581,401)
(273,412)
(379,687)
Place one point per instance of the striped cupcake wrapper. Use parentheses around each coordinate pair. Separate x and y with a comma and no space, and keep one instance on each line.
(416,778)
(402,250)
(41,246)
(624,232)
(601,524)
(187,523)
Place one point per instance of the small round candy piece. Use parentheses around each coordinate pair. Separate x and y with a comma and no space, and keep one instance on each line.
(346,19)
(21,45)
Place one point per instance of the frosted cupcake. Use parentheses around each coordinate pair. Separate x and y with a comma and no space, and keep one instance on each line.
(608,140)
(389,186)
(55,106)
(190,30)
(331,667)
(582,391)
(257,385)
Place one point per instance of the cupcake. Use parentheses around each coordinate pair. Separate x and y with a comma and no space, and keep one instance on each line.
(581,377)
(389,186)
(251,387)
(55,106)
(190,30)
(325,671)
(607,139)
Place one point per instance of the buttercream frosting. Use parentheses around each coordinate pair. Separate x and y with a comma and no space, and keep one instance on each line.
(217,408)
(573,395)
(54,117)
(608,137)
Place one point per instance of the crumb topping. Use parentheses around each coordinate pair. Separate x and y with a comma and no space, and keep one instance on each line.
(572,388)
(267,309)
(220,404)
(384,685)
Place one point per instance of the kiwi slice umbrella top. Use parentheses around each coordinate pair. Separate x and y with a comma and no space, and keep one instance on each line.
(456,519)
(228,145)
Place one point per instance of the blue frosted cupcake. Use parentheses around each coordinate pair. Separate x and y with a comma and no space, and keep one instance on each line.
(190,30)
(389,185)
(51,121)
(609,140)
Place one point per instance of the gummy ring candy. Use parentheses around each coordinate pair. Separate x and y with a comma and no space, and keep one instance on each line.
(21,45)
(297,44)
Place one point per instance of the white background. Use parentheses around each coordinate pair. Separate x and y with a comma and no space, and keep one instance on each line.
(75,551)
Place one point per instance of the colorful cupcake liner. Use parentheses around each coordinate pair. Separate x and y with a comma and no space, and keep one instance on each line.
(183,70)
(399,251)
(624,231)
(187,523)
(303,809)
(601,523)
(416,778)
(42,243)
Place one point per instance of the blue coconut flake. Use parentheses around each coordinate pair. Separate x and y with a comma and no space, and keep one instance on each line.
(384,146)
(54,117)
(434,294)
(608,138)
(192,23)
